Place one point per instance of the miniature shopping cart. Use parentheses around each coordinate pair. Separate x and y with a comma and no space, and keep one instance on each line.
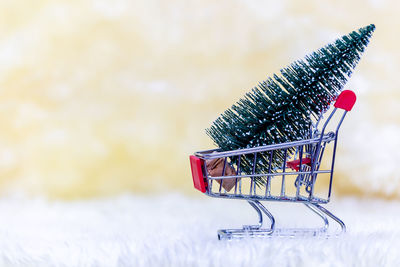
(302,178)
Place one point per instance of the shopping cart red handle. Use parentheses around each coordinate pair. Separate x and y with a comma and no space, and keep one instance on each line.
(346,100)
(199,182)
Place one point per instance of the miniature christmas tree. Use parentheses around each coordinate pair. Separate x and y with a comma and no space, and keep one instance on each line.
(281,109)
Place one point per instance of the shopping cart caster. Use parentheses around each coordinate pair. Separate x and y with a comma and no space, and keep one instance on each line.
(251,230)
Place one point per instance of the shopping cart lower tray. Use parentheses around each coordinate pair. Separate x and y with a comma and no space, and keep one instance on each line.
(301,178)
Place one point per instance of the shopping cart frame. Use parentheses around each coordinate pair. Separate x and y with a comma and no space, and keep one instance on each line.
(305,162)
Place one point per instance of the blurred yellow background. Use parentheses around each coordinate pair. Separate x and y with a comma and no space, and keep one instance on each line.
(103,97)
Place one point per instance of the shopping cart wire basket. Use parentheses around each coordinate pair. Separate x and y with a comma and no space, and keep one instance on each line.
(295,181)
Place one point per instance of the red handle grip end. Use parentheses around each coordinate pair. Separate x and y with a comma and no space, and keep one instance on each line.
(346,100)
(199,182)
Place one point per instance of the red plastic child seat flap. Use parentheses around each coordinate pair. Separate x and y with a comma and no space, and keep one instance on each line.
(197,174)
(346,100)
(295,164)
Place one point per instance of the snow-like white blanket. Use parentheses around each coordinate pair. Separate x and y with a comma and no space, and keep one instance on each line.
(176,230)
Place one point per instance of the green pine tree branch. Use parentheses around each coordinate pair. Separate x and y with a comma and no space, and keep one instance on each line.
(280,109)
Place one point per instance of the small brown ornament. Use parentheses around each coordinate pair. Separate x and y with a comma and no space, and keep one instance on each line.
(215,168)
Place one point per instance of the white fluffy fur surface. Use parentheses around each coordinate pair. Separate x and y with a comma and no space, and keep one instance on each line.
(177,230)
